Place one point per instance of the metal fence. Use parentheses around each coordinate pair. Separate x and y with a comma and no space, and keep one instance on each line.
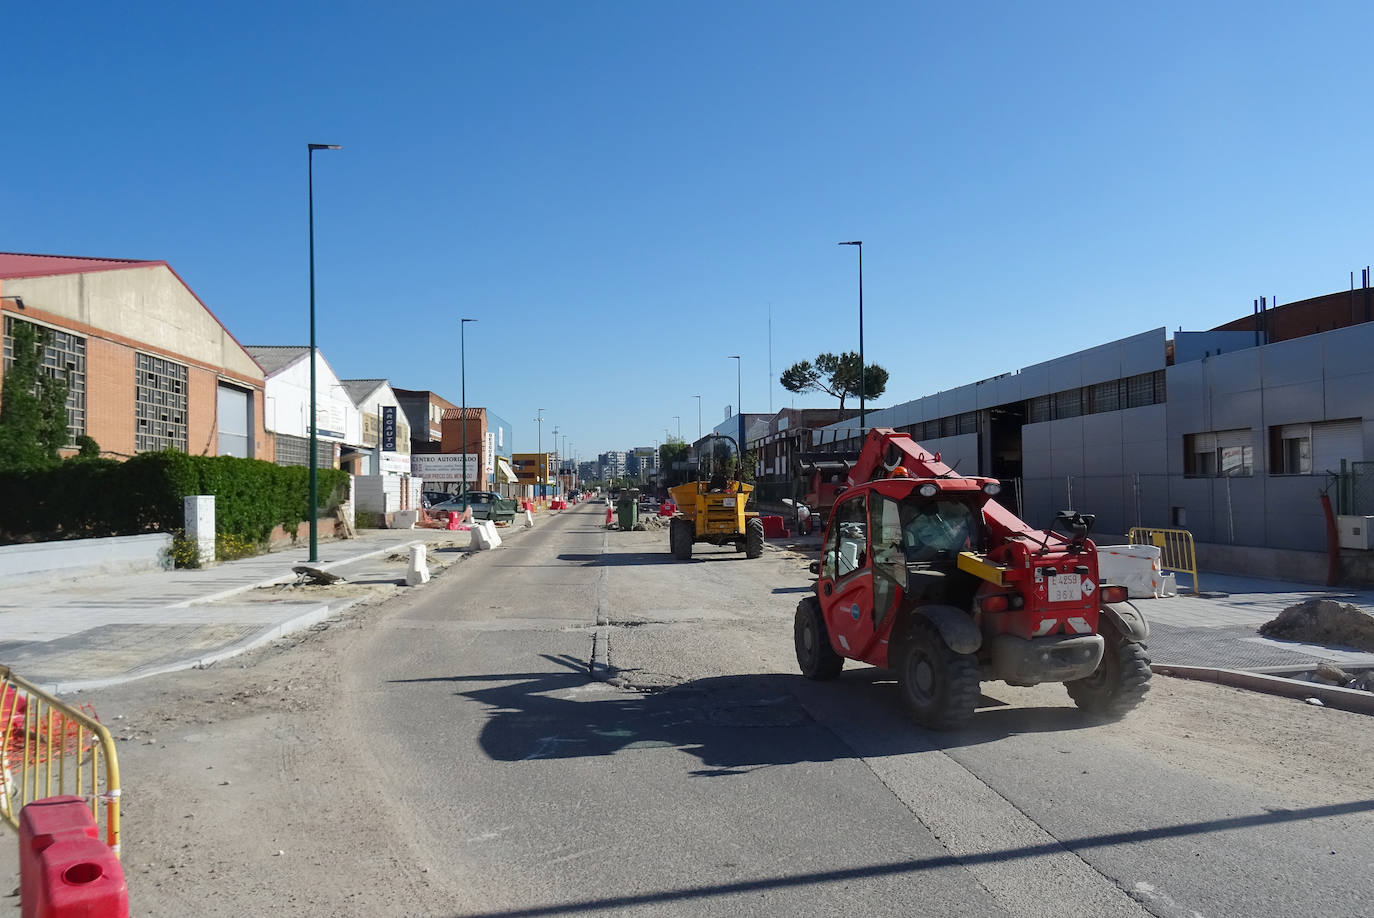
(49,748)
(1176,549)
(1357,491)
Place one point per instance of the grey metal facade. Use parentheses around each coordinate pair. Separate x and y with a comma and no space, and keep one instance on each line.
(1125,456)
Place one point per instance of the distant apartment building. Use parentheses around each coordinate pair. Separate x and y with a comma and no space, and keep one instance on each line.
(149,365)
(614,464)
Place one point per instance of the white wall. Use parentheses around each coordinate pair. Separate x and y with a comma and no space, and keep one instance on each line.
(288,403)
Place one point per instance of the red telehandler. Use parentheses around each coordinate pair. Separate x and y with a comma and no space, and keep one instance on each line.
(922,572)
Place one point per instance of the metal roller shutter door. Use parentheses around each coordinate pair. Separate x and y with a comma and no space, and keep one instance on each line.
(1333,441)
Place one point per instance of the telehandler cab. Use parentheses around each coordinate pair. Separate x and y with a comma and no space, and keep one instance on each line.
(923,572)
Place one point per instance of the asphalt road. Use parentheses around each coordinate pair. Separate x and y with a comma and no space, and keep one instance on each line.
(710,779)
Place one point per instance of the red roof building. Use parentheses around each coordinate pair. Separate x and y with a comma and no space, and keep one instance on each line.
(149,365)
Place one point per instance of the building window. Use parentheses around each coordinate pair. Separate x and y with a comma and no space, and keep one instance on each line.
(64,357)
(159,404)
(968,422)
(1223,454)
(296,451)
(1320,447)
(1038,409)
(1068,404)
(1105,396)
(1140,390)
(1290,449)
(948,427)
(1199,455)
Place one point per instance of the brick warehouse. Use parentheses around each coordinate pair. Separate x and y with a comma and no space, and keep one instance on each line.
(150,366)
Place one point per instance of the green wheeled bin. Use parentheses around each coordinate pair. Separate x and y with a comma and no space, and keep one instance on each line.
(627,512)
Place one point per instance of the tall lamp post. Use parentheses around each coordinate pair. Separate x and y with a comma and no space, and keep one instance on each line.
(739,409)
(314,410)
(560,460)
(698,398)
(463,363)
(678,418)
(539,456)
(862,411)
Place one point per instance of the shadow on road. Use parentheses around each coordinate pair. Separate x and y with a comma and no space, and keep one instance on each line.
(919,865)
(733,724)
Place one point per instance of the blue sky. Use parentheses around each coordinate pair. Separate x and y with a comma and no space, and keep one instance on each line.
(618,191)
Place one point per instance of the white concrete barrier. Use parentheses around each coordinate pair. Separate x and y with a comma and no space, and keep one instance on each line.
(484,536)
(418,571)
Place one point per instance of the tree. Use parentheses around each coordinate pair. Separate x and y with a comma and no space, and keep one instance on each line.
(669,454)
(837,375)
(33,405)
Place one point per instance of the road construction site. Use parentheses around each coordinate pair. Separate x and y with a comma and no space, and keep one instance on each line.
(576,723)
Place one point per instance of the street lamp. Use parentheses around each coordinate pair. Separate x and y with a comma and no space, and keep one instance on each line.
(538,457)
(314,410)
(739,409)
(698,398)
(678,418)
(862,411)
(560,460)
(463,363)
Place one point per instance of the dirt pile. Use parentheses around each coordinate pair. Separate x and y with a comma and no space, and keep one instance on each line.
(1323,621)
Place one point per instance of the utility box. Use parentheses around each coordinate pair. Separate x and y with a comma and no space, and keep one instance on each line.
(1355,532)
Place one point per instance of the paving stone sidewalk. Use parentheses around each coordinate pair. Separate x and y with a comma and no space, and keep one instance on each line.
(86,632)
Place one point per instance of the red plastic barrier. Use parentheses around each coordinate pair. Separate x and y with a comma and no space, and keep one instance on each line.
(452,520)
(667,508)
(64,870)
(610,516)
(773,527)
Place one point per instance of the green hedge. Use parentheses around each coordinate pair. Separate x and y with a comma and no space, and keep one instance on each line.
(104,497)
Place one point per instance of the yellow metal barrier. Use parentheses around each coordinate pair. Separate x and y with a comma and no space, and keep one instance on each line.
(49,748)
(1176,549)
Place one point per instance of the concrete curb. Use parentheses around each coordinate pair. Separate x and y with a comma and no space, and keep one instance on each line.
(270,633)
(288,577)
(1332,696)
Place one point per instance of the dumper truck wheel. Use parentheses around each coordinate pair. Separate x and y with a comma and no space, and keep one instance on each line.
(1118,684)
(680,538)
(816,658)
(939,687)
(753,538)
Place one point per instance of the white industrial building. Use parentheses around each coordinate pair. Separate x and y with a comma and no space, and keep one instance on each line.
(382,480)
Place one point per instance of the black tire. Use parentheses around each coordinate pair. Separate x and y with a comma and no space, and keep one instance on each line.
(1118,684)
(939,687)
(680,538)
(815,657)
(753,538)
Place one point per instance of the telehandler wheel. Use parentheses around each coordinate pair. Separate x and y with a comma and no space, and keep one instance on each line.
(680,538)
(753,538)
(939,687)
(1118,684)
(816,658)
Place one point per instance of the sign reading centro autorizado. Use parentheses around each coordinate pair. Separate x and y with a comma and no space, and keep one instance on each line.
(444,466)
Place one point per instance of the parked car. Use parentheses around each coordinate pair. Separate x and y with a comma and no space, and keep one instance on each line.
(479,501)
(429,498)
